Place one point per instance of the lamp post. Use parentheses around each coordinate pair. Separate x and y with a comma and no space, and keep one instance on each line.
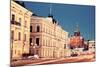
(34,47)
(31,48)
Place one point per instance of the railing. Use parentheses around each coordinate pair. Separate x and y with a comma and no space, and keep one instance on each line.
(15,23)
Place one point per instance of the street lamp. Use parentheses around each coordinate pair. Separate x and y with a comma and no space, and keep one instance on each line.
(31,47)
(31,44)
(34,48)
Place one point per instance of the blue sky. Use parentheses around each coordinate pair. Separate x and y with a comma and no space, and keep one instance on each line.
(68,16)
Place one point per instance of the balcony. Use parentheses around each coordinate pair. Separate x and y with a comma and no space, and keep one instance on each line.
(15,23)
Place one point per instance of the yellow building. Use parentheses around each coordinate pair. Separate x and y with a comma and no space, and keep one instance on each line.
(20,30)
(48,39)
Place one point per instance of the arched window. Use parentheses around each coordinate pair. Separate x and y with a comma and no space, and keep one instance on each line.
(38,29)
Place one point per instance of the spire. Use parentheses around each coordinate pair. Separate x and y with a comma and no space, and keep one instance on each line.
(50,11)
(77,27)
(77,31)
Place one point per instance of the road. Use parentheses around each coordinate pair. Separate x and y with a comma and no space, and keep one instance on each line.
(85,58)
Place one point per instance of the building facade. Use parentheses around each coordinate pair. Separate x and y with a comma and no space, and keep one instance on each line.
(89,47)
(92,46)
(48,39)
(20,30)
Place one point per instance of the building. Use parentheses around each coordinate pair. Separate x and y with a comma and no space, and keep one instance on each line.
(76,42)
(91,46)
(48,39)
(20,30)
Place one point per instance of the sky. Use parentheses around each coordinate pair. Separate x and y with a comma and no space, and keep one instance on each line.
(68,16)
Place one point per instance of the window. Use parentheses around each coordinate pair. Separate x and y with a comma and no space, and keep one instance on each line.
(19,36)
(13,17)
(30,28)
(43,42)
(25,24)
(15,51)
(37,41)
(46,42)
(24,37)
(19,20)
(64,46)
(18,52)
(38,29)
(12,35)
(43,29)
